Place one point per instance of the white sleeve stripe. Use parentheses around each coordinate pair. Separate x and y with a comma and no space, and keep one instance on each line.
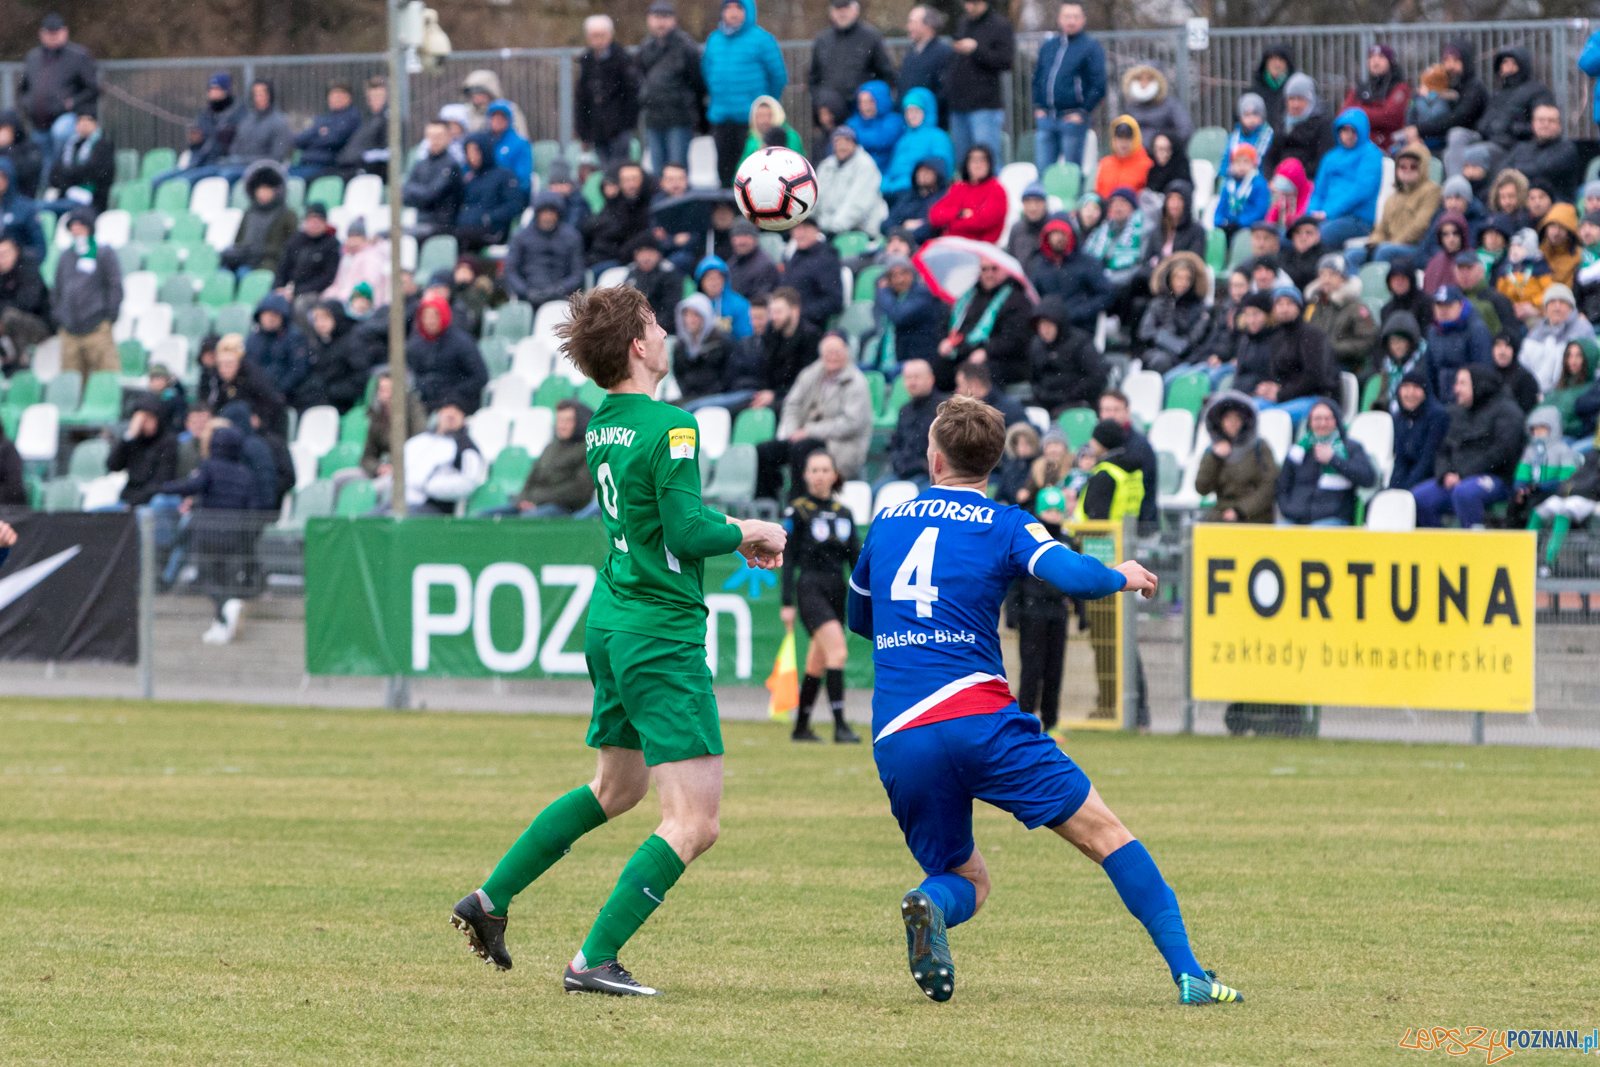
(1041,551)
(857,588)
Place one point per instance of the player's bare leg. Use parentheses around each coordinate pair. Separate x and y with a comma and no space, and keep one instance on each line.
(1095,831)
(962,891)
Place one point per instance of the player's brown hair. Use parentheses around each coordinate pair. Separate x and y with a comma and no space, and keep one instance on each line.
(970,434)
(601,329)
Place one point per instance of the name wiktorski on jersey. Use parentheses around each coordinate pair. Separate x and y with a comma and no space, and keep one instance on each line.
(950,509)
(609,435)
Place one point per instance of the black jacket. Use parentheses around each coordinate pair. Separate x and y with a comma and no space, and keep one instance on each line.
(27,161)
(1302,268)
(1309,491)
(1009,407)
(1555,161)
(972,82)
(340,364)
(1471,97)
(371,139)
(251,385)
(926,70)
(663,287)
(619,219)
(1517,382)
(788,356)
(22,287)
(222,482)
(94,169)
(1417,435)
(1101,488)
(908,445)
(435,189)
(606,100)
(308,263)
(1309,141)
(753,275)
(13,486)
(151,462)
(1485,438)
(672,90)
(1070,372)
(814,272)
(1273,97)
(1006,348)
(1254,359)
(447,368)
(1508,117)
(703,373)
(1302,362)
(746,369)
(57,80)
(844,60)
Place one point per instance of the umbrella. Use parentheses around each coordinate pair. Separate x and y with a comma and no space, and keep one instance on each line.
(950,266)
(691,212)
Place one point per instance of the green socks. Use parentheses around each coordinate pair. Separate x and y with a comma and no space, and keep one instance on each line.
(653,870)
(548,839)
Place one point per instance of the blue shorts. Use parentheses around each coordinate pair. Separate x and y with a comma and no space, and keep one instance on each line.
(933,773)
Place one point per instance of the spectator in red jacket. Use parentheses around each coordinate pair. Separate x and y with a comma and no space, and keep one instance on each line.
(975,205)
(1383,94)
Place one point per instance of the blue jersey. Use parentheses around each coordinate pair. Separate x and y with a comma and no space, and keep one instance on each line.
(927,592)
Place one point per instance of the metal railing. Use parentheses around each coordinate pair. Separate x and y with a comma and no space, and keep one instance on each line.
(147,103)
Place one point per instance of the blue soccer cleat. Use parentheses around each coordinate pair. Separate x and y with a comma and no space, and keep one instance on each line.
(1205,989)
(927,946)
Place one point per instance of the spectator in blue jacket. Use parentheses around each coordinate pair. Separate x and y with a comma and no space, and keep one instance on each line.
(732,310)
(19,216)
(320,143)
(921,140)
(1589,63)
(878,125)
(545,260)
(740,62)
(1069,81)
(1245,195)
(276,346)
(929,56)
(492,198)
(1345,196)
(511,150)
(1060,269)
(911,319)
(1458,338)
(1419,425)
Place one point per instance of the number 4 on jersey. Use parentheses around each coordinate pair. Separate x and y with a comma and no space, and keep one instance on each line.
(914,579)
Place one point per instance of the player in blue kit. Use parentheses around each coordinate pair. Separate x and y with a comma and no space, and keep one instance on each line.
(927,592)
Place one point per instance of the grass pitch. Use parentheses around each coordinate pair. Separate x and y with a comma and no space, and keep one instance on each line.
(216,884)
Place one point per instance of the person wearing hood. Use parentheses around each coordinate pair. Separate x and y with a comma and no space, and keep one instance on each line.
(1128,165)
(211,134)
(434,186)
(1451,237)
(481,88)
(1149,101)
(491,197)
(605,109)
(19,215)
(911,319)
(22,152)
(25,318)
(1118,242)
(984,45)
(1494,241)
(1548,155)
(922,140)
(1573,499)
(1577,377)
(1456,196)
(1010,478)
(1305,248)
(671,90)
(1271,80)
(813,271)
(1322,471)
(1558,241)
(701,352)
(1237,467)
(309,261)
(847,56)
(1396,353)
(322,141)
(908,211)
(1515,379)
(444,360)
(1334,306)
(1253,357)
(769,128)
(545,260)
(1302,367)
(277,346)
(222,482)
(1169,163)
(1477,163)
(1066,369)
(1069,82)
(1407,213)
(1061,270)
(1477,457)
(651,274)
(626,211)
(1463,100)
(975,205)
(877,125)
(86,299)
(266,454)
(1176,320)
(1458,338)
(1245,196)
(751,272)
(1526,277)
(1345,197)
(1547,340)
(740,62)
(1404,295)
(1306,133)
(559,483)
(511,149)
(340,358)
(147,452)
(1420,422)
(1508,116)
(848,196)
(87,162)
(730,310)
(268,222)
(988,324)
(1382,95)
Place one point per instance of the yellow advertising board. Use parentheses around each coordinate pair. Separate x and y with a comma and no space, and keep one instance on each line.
(1439,620)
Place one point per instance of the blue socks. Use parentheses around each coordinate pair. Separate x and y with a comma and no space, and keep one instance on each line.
(1152,902)
(956,897)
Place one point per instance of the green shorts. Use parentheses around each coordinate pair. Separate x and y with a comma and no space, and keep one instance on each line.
(651,694)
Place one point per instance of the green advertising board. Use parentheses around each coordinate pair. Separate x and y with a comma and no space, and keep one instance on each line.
(480,598)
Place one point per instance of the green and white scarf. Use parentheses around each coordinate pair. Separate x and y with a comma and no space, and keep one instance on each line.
(979,333)
(1117,251)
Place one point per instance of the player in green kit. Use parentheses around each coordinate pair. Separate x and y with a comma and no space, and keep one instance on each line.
(654,712)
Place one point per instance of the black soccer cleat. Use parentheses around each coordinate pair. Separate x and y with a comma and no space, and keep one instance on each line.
(607,978)
(928,947)
(843,735)
(486,934)
(805,735)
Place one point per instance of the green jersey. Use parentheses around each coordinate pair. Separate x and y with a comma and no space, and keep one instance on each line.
(645,459)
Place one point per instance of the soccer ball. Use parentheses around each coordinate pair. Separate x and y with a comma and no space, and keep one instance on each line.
(775,188)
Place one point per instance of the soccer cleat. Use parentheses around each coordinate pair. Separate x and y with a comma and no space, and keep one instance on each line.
(609,978)
(927,946)
(486,934)
(1206,990)
(805,734)
(843,735)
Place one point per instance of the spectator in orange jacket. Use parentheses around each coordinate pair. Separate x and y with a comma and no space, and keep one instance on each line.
(1128,165)
(975,205)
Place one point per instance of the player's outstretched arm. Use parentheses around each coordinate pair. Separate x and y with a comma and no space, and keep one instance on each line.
(692,531)
(1079,576)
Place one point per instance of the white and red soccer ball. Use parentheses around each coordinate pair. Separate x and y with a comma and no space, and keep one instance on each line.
(775,188)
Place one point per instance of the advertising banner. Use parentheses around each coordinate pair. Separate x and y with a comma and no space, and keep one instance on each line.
(1439,620)
(477,598)
(70,589)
